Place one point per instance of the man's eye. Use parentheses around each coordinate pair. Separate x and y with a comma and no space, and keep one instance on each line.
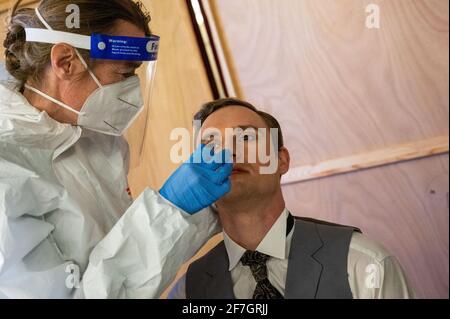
(213,144)
(247,138)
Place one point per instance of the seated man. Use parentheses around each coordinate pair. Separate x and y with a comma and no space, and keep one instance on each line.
(266,252)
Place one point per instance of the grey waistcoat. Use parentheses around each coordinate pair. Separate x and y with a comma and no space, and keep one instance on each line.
(317,266)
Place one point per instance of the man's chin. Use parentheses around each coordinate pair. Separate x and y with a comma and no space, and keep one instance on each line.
(237,192)
(238,184)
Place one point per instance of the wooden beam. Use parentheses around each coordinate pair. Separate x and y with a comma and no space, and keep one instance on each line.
(219,45)
(384,156)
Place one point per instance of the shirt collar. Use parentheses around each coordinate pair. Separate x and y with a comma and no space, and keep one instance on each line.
(274,244)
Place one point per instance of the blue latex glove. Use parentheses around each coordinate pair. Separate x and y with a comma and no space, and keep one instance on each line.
(200,183)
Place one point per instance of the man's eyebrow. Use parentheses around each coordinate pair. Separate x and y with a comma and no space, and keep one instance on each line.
(208,135)
(245,127)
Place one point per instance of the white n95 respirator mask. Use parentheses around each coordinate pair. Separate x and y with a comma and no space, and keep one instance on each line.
(112,108)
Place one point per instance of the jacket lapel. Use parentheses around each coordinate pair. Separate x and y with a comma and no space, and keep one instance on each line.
(219,281)
(304,270)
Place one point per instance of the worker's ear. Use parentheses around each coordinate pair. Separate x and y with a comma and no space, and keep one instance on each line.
(284,160)
(65,62)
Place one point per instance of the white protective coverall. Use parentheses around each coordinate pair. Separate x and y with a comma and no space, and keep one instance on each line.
(64,204)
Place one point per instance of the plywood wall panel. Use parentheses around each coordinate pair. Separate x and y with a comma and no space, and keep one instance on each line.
(337,87)
(340,89)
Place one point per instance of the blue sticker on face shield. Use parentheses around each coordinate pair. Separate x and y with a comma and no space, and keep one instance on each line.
(109,47)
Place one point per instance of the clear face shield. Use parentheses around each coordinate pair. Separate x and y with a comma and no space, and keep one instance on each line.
(137,132)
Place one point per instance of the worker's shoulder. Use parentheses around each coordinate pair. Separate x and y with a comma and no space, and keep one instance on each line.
(363,247)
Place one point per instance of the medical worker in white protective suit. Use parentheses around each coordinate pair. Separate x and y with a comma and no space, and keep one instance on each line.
(68,227)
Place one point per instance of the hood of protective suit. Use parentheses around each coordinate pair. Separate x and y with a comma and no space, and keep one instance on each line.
(21,123)
(74,174)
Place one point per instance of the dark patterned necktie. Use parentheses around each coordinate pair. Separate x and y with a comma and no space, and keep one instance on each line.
(257,262)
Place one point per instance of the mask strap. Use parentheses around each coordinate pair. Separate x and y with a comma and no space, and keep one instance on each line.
(53,100)
(44,22)
(88,69)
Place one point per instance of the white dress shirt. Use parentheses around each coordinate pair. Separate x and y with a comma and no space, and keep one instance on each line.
(373,272)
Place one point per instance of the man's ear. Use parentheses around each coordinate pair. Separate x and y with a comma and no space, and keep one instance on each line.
(65,62)
(284,160)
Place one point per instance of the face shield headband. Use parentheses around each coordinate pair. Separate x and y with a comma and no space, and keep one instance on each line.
(101,46)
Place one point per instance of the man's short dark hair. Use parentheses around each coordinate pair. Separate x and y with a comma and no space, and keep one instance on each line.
(211,107)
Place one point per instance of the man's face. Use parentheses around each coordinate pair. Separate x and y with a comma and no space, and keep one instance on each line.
(242,132)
